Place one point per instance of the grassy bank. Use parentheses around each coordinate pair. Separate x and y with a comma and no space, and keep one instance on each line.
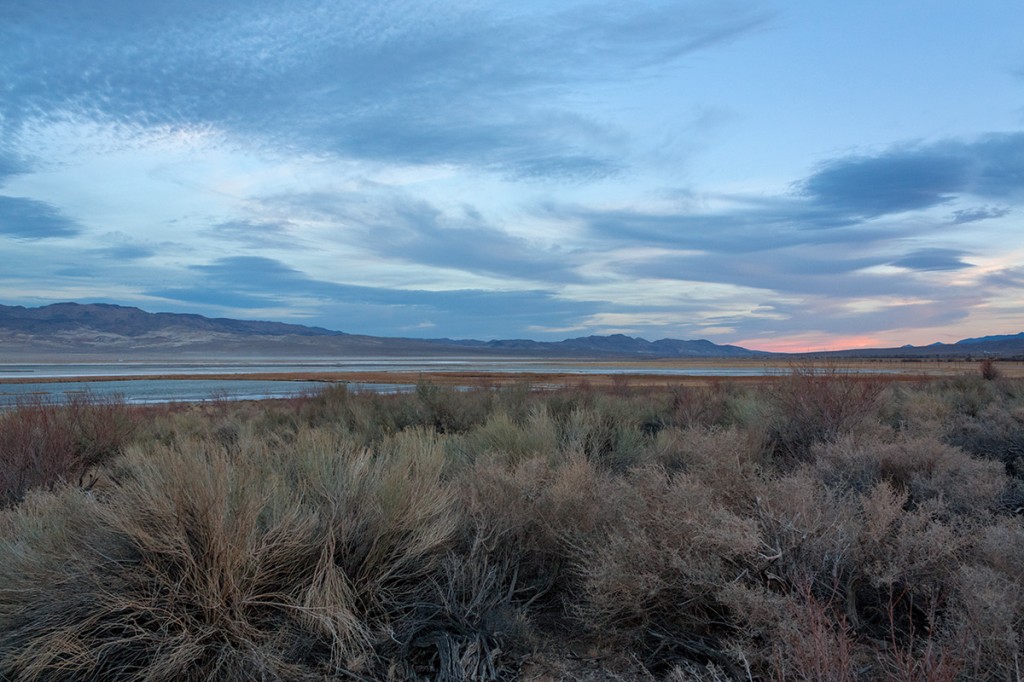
(813,527)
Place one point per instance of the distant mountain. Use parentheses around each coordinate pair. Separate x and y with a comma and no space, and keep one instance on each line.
(1006,346)
(1003,338)
(63,318)
(616,345)
(82,331)
(1002,345)
(98,329)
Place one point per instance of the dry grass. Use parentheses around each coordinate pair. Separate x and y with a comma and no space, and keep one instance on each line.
(824,528)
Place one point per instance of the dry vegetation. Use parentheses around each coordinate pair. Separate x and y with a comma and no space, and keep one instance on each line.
(812,528)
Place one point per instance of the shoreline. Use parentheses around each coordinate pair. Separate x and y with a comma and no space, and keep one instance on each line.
(570,373)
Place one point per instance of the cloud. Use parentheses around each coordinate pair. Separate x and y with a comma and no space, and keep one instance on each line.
(1006,278)
(745,226)
(933,259)
(250,282)
(809,272)
(852,200)
(839,238)
(439,83)
(579,167)
(891,183)
(827,316)
(396,226)
(121,253)
(663,32)
(973,215)
(1000,171)
(419,233)
(919,177)
(10,165)
(30,219)
(256,233)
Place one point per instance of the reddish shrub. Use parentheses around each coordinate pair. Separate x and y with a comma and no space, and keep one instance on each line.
(818,405)
(45,443)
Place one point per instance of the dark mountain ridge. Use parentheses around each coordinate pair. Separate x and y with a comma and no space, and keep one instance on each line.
(102,329)
(1003,346)
(130,322)
(616,345)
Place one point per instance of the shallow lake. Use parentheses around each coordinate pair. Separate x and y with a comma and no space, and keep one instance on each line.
(157,391)
(164,389)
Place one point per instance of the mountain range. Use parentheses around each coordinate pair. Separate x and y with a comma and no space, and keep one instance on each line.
(81,331)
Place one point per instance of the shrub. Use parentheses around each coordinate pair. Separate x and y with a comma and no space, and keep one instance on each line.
(449,410)
(814,405)
(726,460)
(993,432)
(43,444)
(988,369)
(653,576)
(925,467)
(815,642)
(700,406)
(501,437)
(987,633)
(532,512)
(451,535)
(210,564)
(611,438)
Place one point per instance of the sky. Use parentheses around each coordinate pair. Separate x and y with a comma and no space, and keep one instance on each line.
(798,175)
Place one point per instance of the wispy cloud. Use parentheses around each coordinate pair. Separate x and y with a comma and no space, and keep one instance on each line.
(868,187)
(30,219)
(395,226)
(933,259)
(850,200)
(246,282)
(973,215)
(256,233)
(10,165)
(444,83)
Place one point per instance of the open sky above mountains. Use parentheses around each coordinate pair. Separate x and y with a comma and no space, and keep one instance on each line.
(778,175)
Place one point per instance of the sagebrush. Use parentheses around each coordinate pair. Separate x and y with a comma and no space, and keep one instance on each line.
(816,527)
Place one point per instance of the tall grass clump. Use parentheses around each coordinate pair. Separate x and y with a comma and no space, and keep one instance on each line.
(207,564)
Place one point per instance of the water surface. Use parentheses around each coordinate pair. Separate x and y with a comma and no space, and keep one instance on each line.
(164,388)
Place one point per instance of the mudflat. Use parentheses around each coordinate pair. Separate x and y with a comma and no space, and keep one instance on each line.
(692,372)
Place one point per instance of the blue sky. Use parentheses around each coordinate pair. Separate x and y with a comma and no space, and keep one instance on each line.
(781,175)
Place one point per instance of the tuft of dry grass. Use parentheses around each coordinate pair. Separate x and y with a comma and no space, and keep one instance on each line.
(207,563)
